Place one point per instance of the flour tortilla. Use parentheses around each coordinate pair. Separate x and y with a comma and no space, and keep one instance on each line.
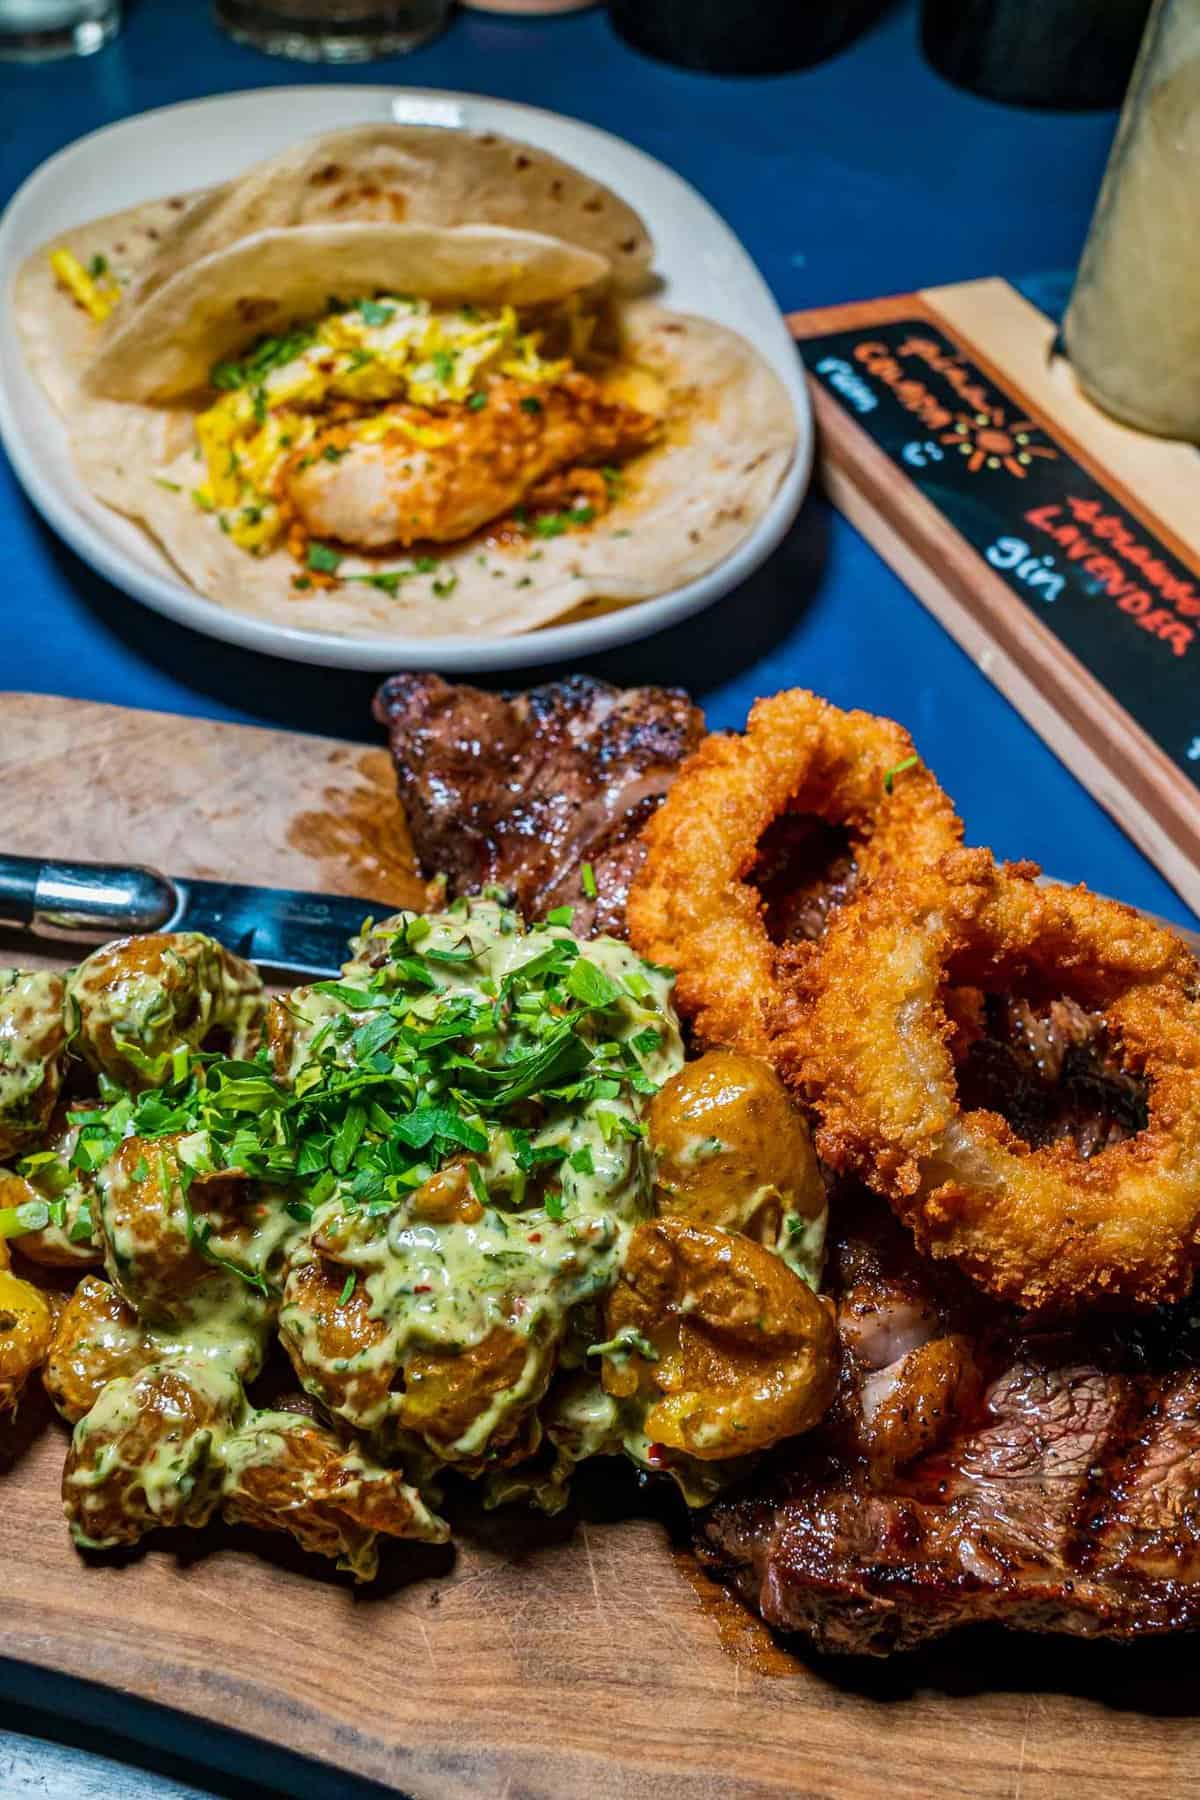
(61,340)
(164,347)
(690,501)
(413,175)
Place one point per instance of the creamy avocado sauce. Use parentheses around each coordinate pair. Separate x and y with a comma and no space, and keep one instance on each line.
(32,1034)
(452,1140)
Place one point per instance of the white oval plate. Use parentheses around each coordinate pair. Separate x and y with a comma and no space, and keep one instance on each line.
(703,267)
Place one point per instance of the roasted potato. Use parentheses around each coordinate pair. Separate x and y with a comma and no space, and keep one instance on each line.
(34,1029)
(179,1242)
(285,1472)
(73,1244)
(98,1338)
(340,1352)
(148,1452)
(26,1330)
(727,1348)
(464,1402)
(142,998)
(731,1150)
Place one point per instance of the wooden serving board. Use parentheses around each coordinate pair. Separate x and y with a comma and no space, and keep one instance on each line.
(540,1660)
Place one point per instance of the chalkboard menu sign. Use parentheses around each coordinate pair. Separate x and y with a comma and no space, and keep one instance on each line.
(1041,535)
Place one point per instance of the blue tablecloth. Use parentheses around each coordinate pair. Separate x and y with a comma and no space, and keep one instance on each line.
(866,175)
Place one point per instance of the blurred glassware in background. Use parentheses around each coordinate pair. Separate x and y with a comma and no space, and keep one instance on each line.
(1132,329)
(529,9)
(37,30)
(337,31)
(1061,53)
(741,37)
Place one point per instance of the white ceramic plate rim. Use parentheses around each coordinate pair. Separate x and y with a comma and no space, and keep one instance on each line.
(716,278)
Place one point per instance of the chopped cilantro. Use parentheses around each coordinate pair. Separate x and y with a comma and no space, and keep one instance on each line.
(323,559)
(531,404)
(477,402)
(373,313)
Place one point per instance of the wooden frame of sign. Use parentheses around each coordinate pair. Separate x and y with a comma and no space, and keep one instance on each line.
(1060,549)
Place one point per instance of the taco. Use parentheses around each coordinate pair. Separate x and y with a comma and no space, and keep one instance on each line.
(474,435)
(411,175)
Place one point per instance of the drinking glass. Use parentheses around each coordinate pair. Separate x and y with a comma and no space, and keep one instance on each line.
(37,30)
(1133,326)
(332,30)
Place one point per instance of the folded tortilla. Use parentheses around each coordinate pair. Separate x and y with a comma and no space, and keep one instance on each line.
(412,175)
(728,429)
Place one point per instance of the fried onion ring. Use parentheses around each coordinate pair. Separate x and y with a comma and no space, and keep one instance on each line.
(871,1047)
(694,905)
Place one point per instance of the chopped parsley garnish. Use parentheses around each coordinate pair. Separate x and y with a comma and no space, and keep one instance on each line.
(477,402)
(889,775)
(531,404)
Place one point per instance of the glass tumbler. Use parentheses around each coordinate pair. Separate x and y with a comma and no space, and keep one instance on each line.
(38,30)
(1132,330)
(337,31)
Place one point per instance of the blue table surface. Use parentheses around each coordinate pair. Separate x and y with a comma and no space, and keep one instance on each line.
(865,175)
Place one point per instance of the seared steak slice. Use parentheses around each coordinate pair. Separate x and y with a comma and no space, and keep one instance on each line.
(1057,1491)
(521,790)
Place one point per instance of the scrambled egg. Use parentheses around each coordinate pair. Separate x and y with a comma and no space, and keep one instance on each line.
(344,369)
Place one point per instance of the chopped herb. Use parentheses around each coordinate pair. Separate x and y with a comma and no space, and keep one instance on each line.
(443,366)
(477,402)
(582,1160)
(560,915)
(555,1206)
(889,775)
(333,453)
(351,1283)
(587,876)
(301,581)
(98,266)
(446,585)
(531,404)
(478,1184)
(323,559)
(591,985)
(373,313)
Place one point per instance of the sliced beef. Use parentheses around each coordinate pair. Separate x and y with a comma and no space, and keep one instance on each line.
(522,789)
(1050,1072)
(1056,1488)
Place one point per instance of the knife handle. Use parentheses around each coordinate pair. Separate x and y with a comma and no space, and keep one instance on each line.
(83,899)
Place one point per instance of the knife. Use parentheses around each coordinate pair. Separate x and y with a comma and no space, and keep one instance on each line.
(284,932)
(281,930)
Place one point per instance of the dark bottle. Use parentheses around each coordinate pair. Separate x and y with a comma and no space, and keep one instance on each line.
(741,37)
(1070,54)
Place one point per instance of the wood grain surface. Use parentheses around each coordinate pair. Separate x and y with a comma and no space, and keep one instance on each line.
(548,1660)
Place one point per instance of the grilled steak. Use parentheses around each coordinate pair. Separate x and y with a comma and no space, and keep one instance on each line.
(1055,1484)
(522,790)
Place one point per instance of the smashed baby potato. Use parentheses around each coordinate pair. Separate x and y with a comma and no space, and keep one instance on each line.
(26,1330)
(96,1340)
(144,1456)
(731,1149)
(140,1000)
(340,1352)
(47,1177)
(729,1350)
(285,1472)
(34,1031)
(464,1401)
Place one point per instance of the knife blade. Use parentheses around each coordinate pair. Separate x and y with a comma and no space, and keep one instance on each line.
(284,930)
